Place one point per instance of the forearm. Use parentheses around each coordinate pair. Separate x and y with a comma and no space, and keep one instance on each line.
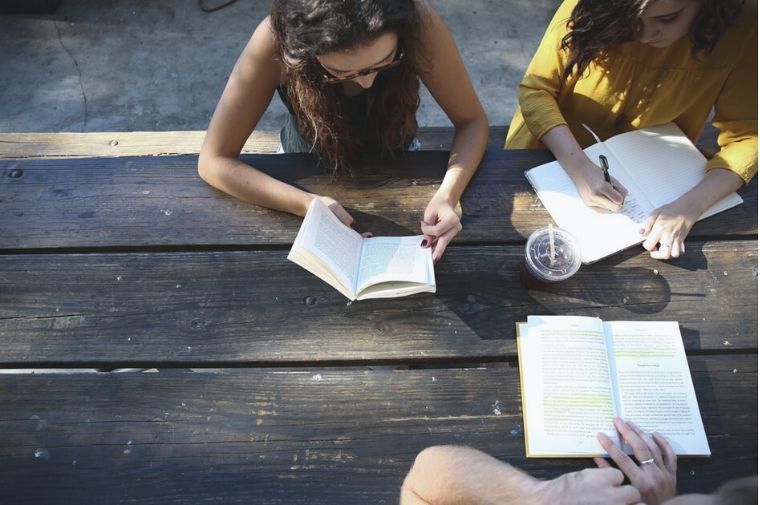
(463,476)
(250,185)
(467,148)
(715,185)
(566,149)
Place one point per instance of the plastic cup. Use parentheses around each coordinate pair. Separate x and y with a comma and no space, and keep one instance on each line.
(541,268)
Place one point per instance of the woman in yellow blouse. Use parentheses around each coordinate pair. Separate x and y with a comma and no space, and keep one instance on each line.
(621,65)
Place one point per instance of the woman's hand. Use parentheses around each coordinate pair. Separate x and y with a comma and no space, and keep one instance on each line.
(588,177)
(595,192)
(342,214)
(669,225)
(655,475)
(338,210)
(440,224)
(666,229)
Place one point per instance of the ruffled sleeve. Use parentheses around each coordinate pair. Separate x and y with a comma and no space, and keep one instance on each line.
(736,115)
(540,86)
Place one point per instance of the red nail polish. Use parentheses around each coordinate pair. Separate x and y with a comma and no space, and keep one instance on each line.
(424,243)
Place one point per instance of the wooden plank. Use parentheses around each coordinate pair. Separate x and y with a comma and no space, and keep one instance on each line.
(313,436)
(154,201)
(145,143)
(256,307)
(158,143)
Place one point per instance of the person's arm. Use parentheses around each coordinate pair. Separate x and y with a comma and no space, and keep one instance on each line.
(655,475)
(246,96)
(735,164)
(667,227)
(453,475)
(537,97)
(587,176)
(444,475)
(448,83)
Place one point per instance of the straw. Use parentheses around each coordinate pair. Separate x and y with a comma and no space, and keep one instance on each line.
(552,249)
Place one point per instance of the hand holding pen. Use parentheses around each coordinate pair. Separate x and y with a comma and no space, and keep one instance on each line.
(603,194)
(605,168)
(612,189)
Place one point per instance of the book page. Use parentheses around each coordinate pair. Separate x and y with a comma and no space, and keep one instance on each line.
(599,234)
(665,163)
(567,389)
(654,383)
(394,260)
(328,248)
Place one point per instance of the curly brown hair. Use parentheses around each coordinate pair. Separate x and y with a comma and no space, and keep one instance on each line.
(596,26)
(305,29)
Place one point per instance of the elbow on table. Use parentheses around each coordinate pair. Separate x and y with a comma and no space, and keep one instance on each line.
(207,167)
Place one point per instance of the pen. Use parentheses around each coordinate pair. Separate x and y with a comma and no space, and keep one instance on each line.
(605,168)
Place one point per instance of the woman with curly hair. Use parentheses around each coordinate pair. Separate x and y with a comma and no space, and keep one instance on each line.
(349,73)
(621,65)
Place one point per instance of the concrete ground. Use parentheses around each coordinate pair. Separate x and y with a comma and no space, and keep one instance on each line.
(132,65)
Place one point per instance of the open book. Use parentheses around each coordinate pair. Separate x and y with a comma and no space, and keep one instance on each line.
(576,373)
(359,267)
(656,165)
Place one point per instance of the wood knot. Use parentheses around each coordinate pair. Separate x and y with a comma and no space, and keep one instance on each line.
(197,324)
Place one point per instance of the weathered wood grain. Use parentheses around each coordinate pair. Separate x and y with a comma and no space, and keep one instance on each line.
(161,201)
(257,307)
(304,436)
(104,144)
(158,143)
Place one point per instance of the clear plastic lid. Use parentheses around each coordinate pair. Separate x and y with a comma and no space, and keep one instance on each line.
(552,254)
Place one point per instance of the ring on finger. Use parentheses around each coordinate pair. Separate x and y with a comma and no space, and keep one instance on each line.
(649,461)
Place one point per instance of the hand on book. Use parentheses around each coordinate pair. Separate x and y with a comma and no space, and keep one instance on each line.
(595,192)
(440,225)
(669,224)
(666,229)
(342,214)
(655,475)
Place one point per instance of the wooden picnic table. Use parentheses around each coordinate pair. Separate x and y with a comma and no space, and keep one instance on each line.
(164,350)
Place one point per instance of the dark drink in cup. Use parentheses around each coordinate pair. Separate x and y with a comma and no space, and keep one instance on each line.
(551,255)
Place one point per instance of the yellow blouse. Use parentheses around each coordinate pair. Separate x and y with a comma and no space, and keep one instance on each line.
(642,86)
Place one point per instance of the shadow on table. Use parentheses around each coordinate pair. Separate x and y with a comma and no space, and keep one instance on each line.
(489,297)
(380,226)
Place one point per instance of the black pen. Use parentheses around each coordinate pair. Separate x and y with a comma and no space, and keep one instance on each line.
(605,168)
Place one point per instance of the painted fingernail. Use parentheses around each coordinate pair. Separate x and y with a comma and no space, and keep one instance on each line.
(424,243)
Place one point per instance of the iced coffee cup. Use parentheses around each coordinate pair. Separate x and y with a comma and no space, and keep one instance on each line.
(551,255)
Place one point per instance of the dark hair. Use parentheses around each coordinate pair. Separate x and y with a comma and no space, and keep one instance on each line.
(596,26)
(306,28)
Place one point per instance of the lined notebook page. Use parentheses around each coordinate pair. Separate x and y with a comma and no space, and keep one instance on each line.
(599,234)
(665,163)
